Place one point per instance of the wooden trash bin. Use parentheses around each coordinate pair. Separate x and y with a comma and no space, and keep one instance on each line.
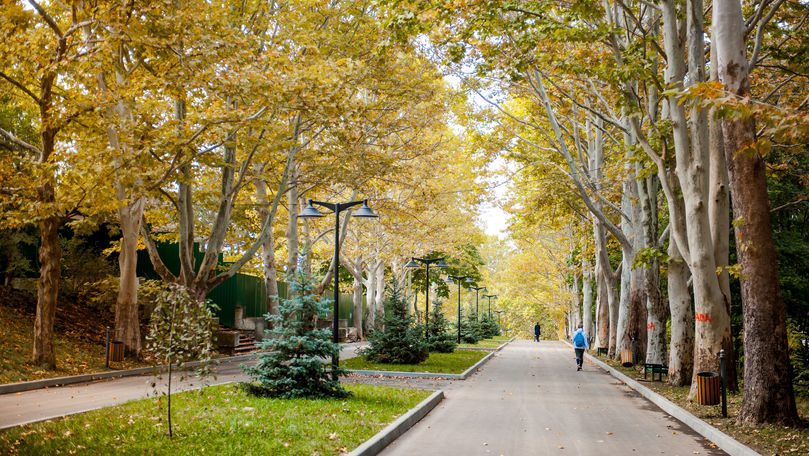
(708,384)
(626,358)
(116,351)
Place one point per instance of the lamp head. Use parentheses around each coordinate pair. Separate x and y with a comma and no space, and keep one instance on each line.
(310,212)
(442,264)
(469,280)
(364,211)
(449,280)
(412,264)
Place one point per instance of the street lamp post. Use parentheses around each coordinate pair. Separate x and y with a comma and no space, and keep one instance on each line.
(477,290)
(451,279)
(311,212)
(427,262)
(498,312)
(490,302)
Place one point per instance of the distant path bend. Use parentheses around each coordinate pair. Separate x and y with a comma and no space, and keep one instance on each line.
(530,400)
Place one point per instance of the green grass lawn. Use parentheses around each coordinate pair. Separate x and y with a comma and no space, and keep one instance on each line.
(444,363)
(486,343)
(220,420)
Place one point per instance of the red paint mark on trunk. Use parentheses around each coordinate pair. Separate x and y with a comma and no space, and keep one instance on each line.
(703,317)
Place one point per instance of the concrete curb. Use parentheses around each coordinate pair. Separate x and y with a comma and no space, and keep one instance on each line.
(377,443)
(84,378)
(462,376)
(727,443)
(61,381)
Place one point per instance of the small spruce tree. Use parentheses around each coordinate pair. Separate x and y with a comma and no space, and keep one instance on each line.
(400,341)
(470,329)
(439,339)
(297,363)
(489,327)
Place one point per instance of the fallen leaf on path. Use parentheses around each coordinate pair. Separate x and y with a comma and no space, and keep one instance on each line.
(561,447)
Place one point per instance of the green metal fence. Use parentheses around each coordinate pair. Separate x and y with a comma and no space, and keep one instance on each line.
(240,290)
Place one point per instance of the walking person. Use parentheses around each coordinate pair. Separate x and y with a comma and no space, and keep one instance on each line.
(579,345)
(537,331)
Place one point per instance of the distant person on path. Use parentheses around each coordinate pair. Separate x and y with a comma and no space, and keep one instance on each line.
(579,345)
(536,332)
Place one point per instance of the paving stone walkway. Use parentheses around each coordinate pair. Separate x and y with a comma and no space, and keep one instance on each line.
(530,400)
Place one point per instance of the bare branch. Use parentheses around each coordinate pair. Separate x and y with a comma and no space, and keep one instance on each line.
(47,18)
(19,142)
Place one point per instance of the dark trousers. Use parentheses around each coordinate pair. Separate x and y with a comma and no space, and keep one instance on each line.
(536,337)
(579,356)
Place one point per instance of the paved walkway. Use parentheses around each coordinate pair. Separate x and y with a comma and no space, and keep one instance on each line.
(44,404)
(530,400)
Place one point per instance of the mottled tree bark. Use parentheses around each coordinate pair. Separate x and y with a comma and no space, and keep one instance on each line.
(50,254)
(768,395)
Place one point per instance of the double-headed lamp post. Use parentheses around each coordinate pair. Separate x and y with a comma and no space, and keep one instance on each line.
(452,279)
(490,302)
(311,212)
(477,291)
(414,263)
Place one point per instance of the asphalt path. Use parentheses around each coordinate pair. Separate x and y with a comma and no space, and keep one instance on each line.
(49,403)
(530,400)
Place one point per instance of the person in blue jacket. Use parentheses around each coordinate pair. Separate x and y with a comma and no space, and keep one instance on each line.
(536,332)
(579,345)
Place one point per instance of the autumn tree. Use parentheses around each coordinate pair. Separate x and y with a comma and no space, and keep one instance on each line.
(41,68)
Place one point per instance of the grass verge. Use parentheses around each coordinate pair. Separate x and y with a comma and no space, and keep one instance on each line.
(74,354)
(220,420)
(767,440)
(444,363)
(486,343)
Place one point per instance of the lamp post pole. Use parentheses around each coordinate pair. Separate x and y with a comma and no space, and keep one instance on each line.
(477,290)
(451,279)
(336,208)
(427,262)
(490,302)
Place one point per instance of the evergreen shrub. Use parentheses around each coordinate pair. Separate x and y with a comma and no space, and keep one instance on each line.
(399,340)
(298,361)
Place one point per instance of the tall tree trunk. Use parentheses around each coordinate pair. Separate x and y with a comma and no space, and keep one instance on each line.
(710,304)
(681,357)
(576,302)
(50,254)
(719,217)
(379,292)
(768,395)
(269,269)
(370,299)
(127,323)
(656,310)
(356,314)
(587,297)
(630,292)
(292,222)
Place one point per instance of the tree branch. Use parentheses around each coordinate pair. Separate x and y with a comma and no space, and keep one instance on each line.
(20,86)
(19,142)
